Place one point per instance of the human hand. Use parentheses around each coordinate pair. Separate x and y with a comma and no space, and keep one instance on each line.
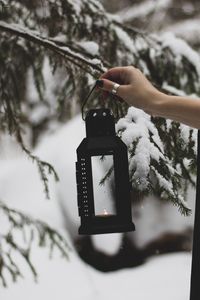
(134,87)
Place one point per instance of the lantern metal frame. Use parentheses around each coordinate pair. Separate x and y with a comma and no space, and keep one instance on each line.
(101,140)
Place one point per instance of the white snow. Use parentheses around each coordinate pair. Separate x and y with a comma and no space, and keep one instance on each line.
(95,6)
(154,218)
(137,125)
(94,61)
(185,132)
(107,242)
(164,277)
(39,110)
(60,38)
(125,39)
(167,185)
(90,47)
(180,48)
(143,9)
(88,22)
(77,6)
(172,89)
(63,49)
(30,198)
(187,29)
(177,92)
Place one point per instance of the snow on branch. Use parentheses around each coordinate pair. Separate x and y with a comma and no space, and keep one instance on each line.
(188,30)
(84,22)
(151,170)
(143,10)
(65,51)
(181,49)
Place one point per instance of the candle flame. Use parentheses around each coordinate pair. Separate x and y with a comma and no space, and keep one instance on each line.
(105,212)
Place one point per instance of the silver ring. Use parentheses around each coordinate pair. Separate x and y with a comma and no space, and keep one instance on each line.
(115,88)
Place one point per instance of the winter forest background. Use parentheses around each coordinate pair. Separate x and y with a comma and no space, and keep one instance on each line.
(51,52)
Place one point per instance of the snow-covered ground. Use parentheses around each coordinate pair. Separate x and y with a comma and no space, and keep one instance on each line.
(162,277)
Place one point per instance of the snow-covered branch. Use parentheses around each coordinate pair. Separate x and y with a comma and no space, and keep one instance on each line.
(143,10)
(151,170)
(188,30)
(65,51)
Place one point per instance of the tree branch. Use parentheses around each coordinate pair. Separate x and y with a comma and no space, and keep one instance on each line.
(93,65)
(29,228)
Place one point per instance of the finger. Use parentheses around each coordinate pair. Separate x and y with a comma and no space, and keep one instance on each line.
(116,74)
(107,85)
(113,72)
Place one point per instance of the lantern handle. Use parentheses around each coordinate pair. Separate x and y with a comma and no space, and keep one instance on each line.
(98,83)
(87,97)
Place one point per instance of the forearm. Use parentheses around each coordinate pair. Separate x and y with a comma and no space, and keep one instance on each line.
(182,109)
(137,91)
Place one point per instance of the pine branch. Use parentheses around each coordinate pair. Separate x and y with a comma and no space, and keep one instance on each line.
(10,247)
(143,10)
(14,127)
(151,169)
(107,175)
(76,58)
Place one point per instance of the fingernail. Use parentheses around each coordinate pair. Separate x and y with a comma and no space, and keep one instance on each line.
(99,83)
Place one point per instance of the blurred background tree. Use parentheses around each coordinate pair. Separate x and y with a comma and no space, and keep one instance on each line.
(53,51)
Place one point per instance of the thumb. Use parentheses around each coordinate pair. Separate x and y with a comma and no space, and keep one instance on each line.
(107,85)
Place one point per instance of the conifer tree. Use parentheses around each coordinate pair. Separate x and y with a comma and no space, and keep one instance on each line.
(80,41)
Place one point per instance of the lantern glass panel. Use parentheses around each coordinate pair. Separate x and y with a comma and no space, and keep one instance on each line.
(104,193)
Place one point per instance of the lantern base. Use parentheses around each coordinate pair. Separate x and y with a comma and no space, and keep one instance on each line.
(114,228)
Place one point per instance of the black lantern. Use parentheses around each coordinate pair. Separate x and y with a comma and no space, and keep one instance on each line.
(100,214)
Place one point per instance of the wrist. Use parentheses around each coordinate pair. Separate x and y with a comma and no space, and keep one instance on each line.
(161,104)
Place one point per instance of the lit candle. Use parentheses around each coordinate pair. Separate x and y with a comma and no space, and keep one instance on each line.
(105,212)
